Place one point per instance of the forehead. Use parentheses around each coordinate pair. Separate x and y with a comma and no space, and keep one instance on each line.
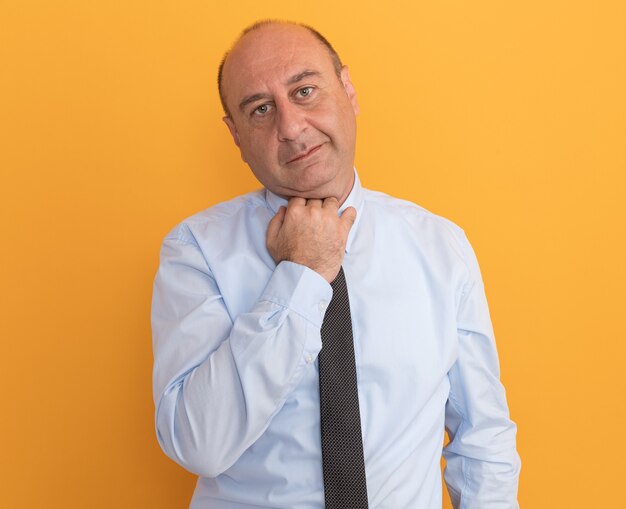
(270,55)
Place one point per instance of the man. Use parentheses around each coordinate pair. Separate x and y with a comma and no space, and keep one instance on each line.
(243,292)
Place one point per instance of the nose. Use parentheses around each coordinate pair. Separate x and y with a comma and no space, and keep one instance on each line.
(290,121)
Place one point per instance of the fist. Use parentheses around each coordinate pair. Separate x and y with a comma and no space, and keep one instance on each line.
(311,233)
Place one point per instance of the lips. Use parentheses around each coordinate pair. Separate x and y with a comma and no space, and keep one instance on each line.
(304,155)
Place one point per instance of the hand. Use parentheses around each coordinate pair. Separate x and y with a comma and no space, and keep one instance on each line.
(311,233)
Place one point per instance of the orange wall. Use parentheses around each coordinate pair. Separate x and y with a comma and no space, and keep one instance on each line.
(507,117)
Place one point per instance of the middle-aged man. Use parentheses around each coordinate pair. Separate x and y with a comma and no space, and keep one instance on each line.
(251,339)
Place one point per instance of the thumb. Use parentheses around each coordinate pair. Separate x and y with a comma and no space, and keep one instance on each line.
(348,217)
(276,224)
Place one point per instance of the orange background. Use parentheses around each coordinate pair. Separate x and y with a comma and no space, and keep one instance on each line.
(507,117)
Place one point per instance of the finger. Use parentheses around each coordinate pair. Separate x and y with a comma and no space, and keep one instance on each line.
(348,217)
(296,201)
(331,203)
(276,224)
(314,203)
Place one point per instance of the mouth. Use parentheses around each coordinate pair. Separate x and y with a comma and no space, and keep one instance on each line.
(306,154)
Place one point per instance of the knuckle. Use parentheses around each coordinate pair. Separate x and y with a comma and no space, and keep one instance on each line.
(293,212)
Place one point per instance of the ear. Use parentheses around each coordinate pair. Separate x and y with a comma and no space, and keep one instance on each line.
(349,88)
(233,130)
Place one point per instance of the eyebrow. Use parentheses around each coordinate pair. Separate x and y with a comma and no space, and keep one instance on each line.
(251,99)
(301,76)
(294,79)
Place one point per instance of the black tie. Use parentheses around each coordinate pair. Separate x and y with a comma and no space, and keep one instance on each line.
(342,444)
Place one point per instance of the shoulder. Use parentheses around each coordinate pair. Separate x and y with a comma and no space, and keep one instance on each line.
(382,204)
(415,221)
(216,218)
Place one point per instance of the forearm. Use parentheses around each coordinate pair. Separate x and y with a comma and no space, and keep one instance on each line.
(209,417)
(482,464)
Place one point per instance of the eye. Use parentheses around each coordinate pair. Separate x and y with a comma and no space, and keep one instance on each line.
(305,92)
(261,110)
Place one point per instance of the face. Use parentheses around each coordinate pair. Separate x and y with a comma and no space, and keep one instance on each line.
(291,116)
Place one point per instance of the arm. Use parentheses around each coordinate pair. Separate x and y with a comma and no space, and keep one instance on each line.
(218,381)
(482,463)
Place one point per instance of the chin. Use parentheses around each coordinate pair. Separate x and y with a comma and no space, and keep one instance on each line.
(320,193)
(316,182)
